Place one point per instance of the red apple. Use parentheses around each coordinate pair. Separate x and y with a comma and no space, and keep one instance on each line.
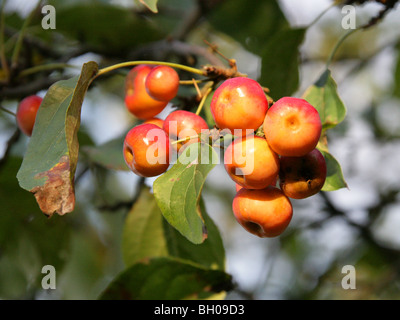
(26,113)
(162,83)
(182,124)
(239,103)
(251,163)
(146,150)
(158,122)
(265,213)
(292,127)
(137,100)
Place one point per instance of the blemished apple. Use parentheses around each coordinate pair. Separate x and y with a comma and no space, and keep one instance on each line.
(292,127)
(251,163)
(239,104)
(181,124)
(146,150)
(265,213)
(162,83)
(302,177)
(26,113)
(137,100)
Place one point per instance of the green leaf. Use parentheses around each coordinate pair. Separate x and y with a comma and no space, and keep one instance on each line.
(251,23)
(178,191)
(334,178)
(51,158)
(105,27)
(147,234)
(151,5)
(167,279)
(143,234)
(280,62)
(210,253)
(108,155)
(324,97)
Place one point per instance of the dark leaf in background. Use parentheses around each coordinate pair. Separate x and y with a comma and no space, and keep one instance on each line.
(280,63)
(252,23)
(28,240)
(108,155)
(147,234)
(106,28)
(167,279)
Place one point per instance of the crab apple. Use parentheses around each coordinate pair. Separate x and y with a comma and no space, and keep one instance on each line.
(292,127)
(302,177)
(26,113)
(273,184)
(162,83)
(137,100)
(157,121)
(265,213)
(239,103)
(181,124)
(146,150)
(251,163)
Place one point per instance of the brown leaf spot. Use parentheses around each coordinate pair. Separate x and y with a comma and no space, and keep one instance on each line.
(57,194)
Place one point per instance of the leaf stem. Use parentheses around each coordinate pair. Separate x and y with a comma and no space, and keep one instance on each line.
(135,63)
(337,46)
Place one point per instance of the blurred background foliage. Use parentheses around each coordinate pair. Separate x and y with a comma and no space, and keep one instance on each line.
(275,42)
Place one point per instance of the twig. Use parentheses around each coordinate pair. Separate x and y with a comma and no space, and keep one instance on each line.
(125,204)
(24,90)
(7,111)
(158,49)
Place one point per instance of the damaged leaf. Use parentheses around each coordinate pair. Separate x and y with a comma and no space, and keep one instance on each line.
(49,165)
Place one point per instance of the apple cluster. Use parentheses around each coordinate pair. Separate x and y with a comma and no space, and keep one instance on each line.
(148,146)
(270,167)
(272,158)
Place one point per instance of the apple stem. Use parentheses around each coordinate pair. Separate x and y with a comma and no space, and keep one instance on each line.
(203,100)
(135,63)
(184,139)
(191,82)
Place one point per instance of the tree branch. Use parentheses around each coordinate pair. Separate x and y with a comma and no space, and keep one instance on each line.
(159,49)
